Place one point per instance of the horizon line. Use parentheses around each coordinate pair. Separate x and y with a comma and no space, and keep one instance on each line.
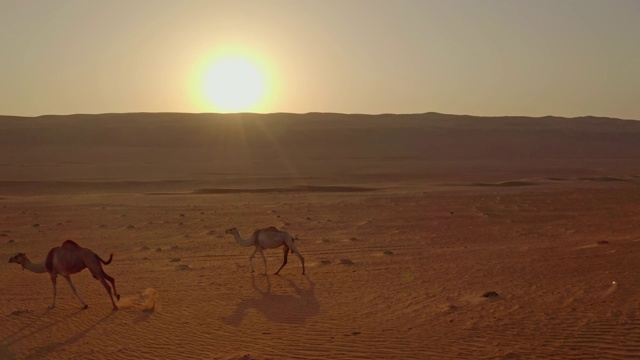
(314,113)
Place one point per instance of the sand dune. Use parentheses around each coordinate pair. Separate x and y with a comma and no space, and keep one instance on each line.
(152,147)
(477,259)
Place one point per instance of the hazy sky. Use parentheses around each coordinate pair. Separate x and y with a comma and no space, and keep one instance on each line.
(479,57)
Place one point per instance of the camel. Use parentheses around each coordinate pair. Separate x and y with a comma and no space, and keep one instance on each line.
(268,238)
(70,258)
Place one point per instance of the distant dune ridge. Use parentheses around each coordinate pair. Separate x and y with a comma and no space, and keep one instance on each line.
(174,145)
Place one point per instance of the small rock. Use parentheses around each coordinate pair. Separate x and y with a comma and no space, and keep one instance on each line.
(183,267)
(35,225)
(388,252)
(131,227)
(158,249)
(347,262)
(175,260)
(602,242)
(490,294)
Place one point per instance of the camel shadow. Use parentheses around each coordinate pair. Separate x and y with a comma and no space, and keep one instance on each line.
(44,351)
(286,309)
(37,327)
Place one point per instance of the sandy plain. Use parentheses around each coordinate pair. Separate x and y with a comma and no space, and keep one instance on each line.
(399,250)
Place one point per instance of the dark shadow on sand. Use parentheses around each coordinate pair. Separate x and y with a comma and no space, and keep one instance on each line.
(36,326)
(44,351)
(285,309)
(41,324)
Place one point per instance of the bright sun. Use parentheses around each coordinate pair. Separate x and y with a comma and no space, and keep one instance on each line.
(234,83)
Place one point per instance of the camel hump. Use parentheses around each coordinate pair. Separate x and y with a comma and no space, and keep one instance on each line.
(70,243)
(267,229)
(257,233)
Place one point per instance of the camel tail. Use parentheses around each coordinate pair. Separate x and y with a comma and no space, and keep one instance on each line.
(105,262)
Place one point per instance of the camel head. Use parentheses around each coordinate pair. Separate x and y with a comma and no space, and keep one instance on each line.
(231,231)
(18,258)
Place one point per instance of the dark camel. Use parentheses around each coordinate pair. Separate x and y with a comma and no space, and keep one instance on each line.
(68,259)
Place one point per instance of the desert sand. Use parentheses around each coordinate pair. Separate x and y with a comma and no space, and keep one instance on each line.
(425,236)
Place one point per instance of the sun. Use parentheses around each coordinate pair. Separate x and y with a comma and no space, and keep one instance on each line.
(233,83)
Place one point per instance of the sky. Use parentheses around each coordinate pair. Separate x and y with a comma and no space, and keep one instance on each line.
(478,57)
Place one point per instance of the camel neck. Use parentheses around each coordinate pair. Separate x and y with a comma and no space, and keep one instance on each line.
(241,241)
(36,268)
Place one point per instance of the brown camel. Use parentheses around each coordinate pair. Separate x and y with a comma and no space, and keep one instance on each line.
(268,238)
(70,258)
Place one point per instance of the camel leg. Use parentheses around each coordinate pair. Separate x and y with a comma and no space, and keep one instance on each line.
(301,259)
(99,274)
(73,288)
(264,259)
(55,290)
(284,262)
(251,259)
(295,251)
(113,283)
(106,286)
